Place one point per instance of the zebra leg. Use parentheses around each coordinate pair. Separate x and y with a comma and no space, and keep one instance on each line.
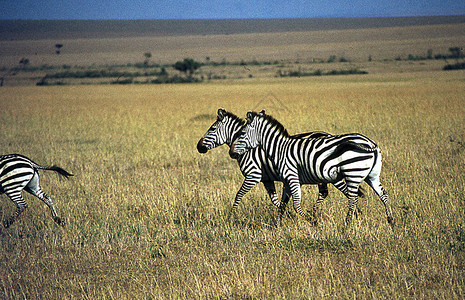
(271,189)
(342,186)
(284,201)
(373,181)
(352,203)
(352,192)
(249,182)
(34,189)
(383,196)
(282,207)
(294,186)
(322,194)
(21,205)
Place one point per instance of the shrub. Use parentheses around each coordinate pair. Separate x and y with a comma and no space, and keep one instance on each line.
(123,81)
(457,66)
(174,79)
(188,66)
(299,73)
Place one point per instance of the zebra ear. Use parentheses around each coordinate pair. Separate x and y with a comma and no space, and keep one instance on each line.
(221,114)
(262,112)
(249,117)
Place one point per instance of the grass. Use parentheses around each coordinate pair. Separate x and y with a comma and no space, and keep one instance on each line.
(149,217)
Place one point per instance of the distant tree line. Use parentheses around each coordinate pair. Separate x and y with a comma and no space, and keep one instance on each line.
(189,66)
(299,73)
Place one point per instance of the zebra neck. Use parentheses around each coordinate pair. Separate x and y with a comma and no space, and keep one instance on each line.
(273,144)
(233,133)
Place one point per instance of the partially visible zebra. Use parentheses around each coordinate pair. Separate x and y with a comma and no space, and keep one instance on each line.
(254,164)
(353,158)
(18,172)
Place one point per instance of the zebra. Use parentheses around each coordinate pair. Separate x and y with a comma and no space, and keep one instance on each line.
(352,158)
(18,173)
(255,166)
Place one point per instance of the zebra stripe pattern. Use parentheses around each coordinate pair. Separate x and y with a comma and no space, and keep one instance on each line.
(254,164)
(352,158)
(18,173)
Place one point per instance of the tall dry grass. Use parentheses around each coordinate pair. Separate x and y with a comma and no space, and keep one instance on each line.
(149,217)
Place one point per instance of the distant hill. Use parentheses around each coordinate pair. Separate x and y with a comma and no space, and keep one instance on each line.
(37,30)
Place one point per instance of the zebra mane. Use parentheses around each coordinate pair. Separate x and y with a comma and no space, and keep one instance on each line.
(273,122)
(235,118)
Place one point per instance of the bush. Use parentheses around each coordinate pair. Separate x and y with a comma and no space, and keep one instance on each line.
(174,79)
(331,59)
(346,72)
(299,73)
(123,81)
(457,66)
(188,66)
(102,74)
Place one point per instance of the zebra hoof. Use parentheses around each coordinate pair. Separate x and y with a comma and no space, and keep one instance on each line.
(391,221)
(7,223)
(59,221)
(314,222)
(348,221)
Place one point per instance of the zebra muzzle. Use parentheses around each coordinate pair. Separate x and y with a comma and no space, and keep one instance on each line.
(232,152)
(201,147)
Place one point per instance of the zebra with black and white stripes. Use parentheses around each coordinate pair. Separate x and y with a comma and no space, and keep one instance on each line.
(18,173)
(254,164)
(352,158)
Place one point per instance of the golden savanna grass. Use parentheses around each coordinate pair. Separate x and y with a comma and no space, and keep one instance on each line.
(149,217)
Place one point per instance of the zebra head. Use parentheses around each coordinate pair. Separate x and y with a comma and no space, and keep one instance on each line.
(247,138)
(221,132)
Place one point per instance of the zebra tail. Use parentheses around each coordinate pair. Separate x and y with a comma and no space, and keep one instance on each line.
(57,169)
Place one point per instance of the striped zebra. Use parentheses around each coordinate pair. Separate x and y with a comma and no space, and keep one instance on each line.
(18,173)
(254,164)
(353,158)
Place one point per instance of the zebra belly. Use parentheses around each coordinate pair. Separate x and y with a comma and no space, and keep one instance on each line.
(313,178)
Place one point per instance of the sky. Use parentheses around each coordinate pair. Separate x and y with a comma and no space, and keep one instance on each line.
(222,9)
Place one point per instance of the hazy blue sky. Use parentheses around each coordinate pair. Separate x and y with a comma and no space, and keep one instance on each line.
(221,9)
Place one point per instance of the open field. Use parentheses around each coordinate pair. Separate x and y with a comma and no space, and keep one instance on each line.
(354,44)
(374,45)
(149,217)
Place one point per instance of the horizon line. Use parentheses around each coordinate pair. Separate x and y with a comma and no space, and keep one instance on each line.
(258,18)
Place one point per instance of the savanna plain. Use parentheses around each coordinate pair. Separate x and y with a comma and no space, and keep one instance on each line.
(149,217)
